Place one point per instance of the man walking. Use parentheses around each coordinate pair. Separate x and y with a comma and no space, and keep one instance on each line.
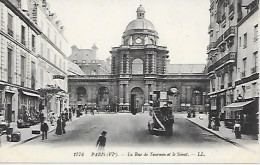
(101,142)
(44,129)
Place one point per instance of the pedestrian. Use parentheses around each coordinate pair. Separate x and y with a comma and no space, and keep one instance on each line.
(52,118)
(237,130)
(92,111)
(101,142)
(58,128)
(70,115)
(41,116)
(44,129)
(63,125)
(66,114)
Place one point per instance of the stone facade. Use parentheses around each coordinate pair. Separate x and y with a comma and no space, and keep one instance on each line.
(33,57)
(138,67)
(232,60)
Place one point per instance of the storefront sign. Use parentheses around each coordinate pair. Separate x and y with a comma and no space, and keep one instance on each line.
(58,77)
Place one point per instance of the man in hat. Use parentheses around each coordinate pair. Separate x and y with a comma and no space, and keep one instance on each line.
(101,142)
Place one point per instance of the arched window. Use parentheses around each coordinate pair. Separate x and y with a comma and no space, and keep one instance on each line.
(81,91)
(137,66)
(197,96)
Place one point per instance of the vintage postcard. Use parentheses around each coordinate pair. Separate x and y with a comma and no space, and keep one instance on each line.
(129,81)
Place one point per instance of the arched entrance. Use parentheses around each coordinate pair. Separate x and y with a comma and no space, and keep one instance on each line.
(81,96)
(137,100)
(103,97)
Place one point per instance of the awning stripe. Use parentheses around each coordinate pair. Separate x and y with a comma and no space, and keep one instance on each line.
(31,94)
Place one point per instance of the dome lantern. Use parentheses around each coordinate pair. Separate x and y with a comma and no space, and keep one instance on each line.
(140,12)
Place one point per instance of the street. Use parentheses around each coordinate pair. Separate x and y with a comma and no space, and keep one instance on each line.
(128,140)
(127,130)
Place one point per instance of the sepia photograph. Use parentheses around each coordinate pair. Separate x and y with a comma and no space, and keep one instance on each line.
(129,81)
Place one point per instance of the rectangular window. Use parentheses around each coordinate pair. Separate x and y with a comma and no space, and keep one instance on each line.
(256,32)
(33,75)
(239,41)
(60,63)
(55,39)
(48,32)
(42,49)
(245,40)
(41,77)
(33,43)
(55,59)
(10,25)
(243,74)
(23,70)
(48,54)
(23,35)
(9,65)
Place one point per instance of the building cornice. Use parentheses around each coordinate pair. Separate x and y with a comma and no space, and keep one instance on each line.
(247,16)
(18,86)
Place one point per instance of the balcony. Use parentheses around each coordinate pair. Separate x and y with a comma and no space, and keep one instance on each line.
(243,74)
(229,58)
(211,47)
(223,17)
(10,32)
(231,8)
(253,70)
(220,40)
(230,32)
(252,5)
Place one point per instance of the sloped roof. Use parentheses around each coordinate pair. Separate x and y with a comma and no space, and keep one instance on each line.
(185,68)
(74,69)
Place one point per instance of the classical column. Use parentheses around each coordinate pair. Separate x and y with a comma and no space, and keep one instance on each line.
(127,64)
(127,104)
(146,97)
(121,94)
(147,64)
(121,64)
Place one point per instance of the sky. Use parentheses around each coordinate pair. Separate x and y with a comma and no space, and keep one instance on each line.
(182,25)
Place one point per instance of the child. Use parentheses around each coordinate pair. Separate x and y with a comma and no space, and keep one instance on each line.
(101,142)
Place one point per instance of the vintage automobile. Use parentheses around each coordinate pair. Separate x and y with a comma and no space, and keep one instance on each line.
(162,119)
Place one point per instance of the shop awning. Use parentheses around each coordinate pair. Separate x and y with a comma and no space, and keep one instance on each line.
(238,106)
(31,94)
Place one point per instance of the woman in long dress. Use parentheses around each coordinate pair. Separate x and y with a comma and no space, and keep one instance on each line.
(58,128)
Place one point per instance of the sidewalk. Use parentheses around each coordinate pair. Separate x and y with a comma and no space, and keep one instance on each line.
(249,142)
(26,133)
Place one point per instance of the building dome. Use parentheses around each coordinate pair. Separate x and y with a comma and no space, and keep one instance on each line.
(140,24)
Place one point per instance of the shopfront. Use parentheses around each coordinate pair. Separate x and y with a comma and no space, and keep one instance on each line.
(28,108)
(245,112)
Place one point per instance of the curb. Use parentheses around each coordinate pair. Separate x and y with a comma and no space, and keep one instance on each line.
(226,139)
(29,139)
(36,136)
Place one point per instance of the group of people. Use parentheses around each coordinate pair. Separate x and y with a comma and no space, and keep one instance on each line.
(61,121)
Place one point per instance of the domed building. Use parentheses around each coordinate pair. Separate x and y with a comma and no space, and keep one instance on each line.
(140,66)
